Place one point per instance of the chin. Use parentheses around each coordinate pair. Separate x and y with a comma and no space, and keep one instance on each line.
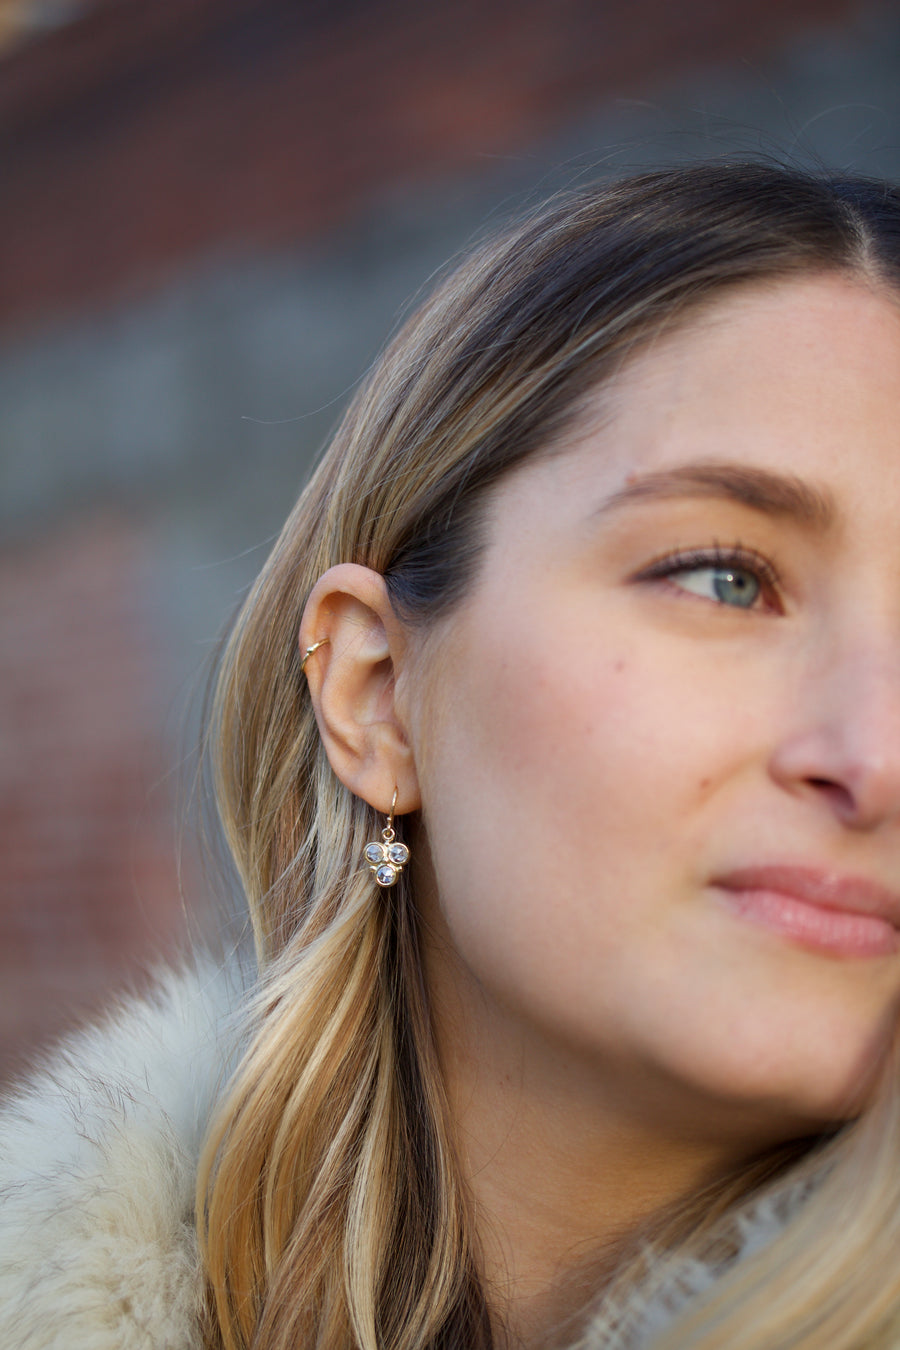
(817,1096)
(761,1093)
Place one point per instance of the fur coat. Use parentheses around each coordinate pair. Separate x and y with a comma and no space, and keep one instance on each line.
(98,1159)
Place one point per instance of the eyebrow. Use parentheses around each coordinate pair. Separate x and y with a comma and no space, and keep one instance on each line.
(762,490)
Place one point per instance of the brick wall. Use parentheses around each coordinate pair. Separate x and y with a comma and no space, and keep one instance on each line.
(89,887)
(143,134)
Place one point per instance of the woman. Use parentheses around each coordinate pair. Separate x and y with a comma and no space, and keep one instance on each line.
(570,827)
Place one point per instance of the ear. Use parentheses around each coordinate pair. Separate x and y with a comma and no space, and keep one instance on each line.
(352,680)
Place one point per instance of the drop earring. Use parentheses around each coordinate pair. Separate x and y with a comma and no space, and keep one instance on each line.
(388,858)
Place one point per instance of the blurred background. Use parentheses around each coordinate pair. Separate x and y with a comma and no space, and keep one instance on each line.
(213,214)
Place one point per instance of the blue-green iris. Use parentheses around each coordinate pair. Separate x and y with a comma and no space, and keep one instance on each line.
(734,587)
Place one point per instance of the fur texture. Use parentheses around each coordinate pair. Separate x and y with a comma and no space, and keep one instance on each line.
(98,1158)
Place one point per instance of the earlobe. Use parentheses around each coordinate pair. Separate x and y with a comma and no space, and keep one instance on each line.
(353,646)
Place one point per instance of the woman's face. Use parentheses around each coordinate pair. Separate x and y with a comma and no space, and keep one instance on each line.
(659,753)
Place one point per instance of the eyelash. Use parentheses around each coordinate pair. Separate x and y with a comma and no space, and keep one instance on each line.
(717,557)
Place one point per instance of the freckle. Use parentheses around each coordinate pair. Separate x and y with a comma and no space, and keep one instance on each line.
(704,783)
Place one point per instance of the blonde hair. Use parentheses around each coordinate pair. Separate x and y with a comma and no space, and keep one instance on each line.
(331,1209)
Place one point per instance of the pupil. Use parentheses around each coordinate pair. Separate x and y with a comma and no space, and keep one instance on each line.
(736,588)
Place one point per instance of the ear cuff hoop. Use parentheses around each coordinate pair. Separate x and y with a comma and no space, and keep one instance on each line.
(309,651)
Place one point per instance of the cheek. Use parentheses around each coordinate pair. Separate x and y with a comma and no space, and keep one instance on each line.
(557,794)
(581,759)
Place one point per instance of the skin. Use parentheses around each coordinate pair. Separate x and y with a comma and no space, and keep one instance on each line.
(592,746)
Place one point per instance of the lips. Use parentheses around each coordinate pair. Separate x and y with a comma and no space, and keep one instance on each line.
(845,915)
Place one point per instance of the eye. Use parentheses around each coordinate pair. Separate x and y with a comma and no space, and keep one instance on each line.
(736,578)
(728,585)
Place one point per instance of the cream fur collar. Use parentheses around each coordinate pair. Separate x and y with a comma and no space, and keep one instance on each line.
(98,1158)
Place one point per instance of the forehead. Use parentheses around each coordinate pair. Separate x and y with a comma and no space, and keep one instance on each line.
(799,376)
(788,353)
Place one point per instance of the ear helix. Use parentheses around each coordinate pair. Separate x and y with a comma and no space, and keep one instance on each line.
(387,857)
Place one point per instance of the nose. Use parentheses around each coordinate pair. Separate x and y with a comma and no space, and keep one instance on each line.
(842,741)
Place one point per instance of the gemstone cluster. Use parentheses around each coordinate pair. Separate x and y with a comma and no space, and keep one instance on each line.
(386,860)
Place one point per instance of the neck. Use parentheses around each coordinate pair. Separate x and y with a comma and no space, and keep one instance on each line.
(560,1171)
(556,1198)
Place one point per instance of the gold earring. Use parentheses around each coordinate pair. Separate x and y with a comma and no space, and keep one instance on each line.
(309,651)
(388,858)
